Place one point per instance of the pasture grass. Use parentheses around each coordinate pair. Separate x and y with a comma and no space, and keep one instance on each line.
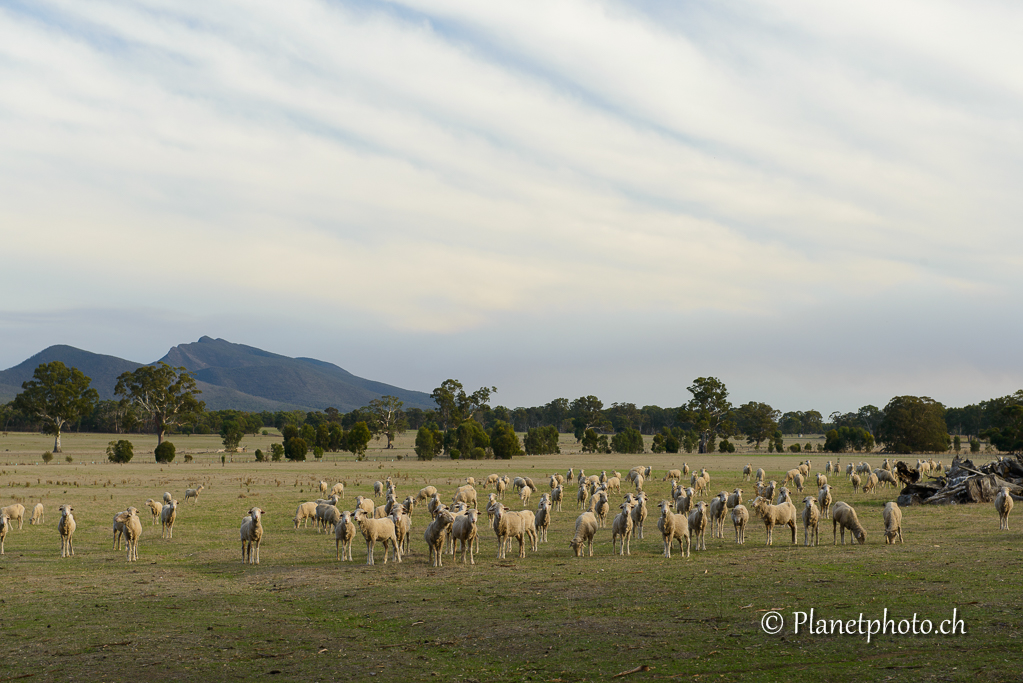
(189,610)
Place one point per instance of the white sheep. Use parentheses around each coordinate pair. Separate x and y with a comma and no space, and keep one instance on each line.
(508,525)
(557,495)
(886,478)
(614,484)
(193,493)
(344,532)
(132,532)
(828,468)
(467,494)
(529,527)
(585,530)
(426,493)
(327,517)
(892,516)
(674,475)
(5,524)
(639,481)
(66,528)
(869,483)
(542,519)
(251,533)
(792,474)
(16,511)
(776,515)
(374,530)
(119,519)
(821,480)
(501,486)
(698,525)
(490,481)
(747,472)
(761,474)
(568,475)
(167,517)
(673,526)
(740,517)
(338,489)
(717,511)
(582,494)
(156,508)
(365,504)
(600,506)
(37,514)
(1003,504)
(824,500)
(304,512)
(525,494)
(843,516)
(811,519)
(434,535)
(735,498)
(167,497)
(621,527)
(855,481)
(402,528)
(639,515)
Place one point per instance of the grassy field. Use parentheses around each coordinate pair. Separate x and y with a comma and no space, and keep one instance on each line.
(190,610)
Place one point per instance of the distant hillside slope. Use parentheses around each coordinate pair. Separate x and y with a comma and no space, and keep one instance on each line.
(230,376)
(270,376)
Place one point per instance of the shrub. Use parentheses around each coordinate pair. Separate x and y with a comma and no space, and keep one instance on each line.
(974,446)
(455,454)
(478,453)
(541,440)
(628,441)
(120,451)
(795,448)
(47,457)
(317,452)
(259,456)
(68,459)
(266,433)
(503,441)
(276,452)
(188,457)
(165,452)
(726,446)
(295,449)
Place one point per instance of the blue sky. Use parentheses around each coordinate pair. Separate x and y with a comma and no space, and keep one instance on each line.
(817,204)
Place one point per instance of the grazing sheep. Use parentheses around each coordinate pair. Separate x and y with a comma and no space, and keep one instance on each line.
(132,532)
(66,528)
(15,511)
(193,493)
(338,490)
(585,529)
(886,478)
(156,508)
(167,497)
(464,531)
(5,524)
(614,485)
(698,525)
(870,483)
(467,494)
(426,493)
(673,526)
(843,515)
(542,519)
(490,481)
(776,515)
(747,472)
(639,515)
(304,512)
(621,527)
(167,517)
(792,474)
(508,525)
(674,475)
(717,510)
(37,514)
(811,518)
(374,530)
(824,500)
(740,517)
(434,535)
(892,516)
(251,533)
(344,532)
(1003,503)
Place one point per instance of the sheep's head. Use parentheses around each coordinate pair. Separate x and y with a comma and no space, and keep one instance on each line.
(861,536)
(577,547)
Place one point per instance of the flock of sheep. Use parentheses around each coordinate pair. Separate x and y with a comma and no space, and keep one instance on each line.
(682,518)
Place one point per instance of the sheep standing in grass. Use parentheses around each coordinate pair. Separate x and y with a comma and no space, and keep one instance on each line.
(402,528)
(167,497)
(132,532)
(639,515)
(508,525)
(734,498)
(1003,504)
(426,493)
(824,500)
(854,480)
(338,490)
(5,525)
(37,514)
(525,494)
(119,519)
(367,505)
(434,535)
(776,515)
(304,512)
(621,527)
(717,510)
(747,472)
(66,528)
(674,475)
(870,483)
(740,517)
(156,508)
(892,516)
(167,517)
(673,526)
(374,530)
(698,525)
(821,480)
(585,530)
(542,519)
(811,519)
(557,495)
(600,506)
(843,516)
(15,512)
(467,494)
(344,532)
(251,533)
(761,474)
(193,493)
(886,478)
(465,531)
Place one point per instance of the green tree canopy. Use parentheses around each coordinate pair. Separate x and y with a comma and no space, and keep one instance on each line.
(454,406)
(232,432)
(57,395)
(709,410)
(628,441)
(913,424)
(166,394)
(541,440)
(1007,434)
(120,451)
(503,441)
(389,420)
(296,448)
(357,438)
(758,421)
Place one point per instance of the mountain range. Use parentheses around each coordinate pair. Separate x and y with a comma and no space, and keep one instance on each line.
(230,376)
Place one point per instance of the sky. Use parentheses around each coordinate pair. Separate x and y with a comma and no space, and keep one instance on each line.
(817,203)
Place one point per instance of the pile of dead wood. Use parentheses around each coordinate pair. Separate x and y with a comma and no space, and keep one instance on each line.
(963,483)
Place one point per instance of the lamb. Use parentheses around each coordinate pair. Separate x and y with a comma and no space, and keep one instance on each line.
(156,508)
(434,536)
(824,500)
(338,490)
(621,527)
(843,515)
(464,531)
(5,524)
(304,513)
(344,532)
(776,515)
(892,516)
(811,518)
(374,530)
(718,509)
(673,526)
(639,515)
(37,514)
(740,517)
(167,517)
(508,525)
(66,528)
(600,506)
(542,519)
(426,493)
(1003,504)
(132,532)
(585,529)
(193,493)
(251,533)
(698,525)
(15,511)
